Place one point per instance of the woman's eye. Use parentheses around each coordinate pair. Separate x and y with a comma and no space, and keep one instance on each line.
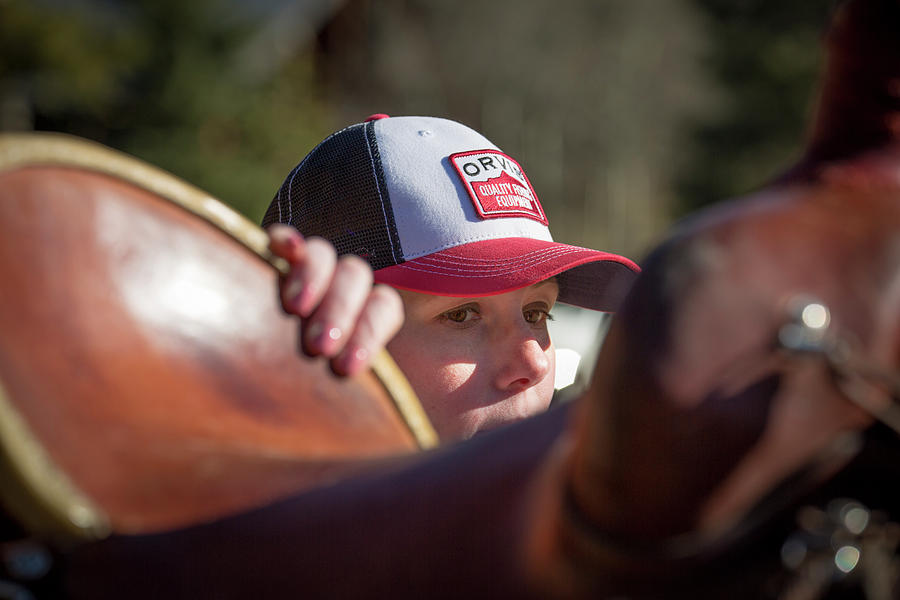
(536,316)
(462,314)
(457,316)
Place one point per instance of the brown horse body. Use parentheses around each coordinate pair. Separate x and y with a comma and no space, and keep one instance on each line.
(680,471)
(696,418)
(678,443)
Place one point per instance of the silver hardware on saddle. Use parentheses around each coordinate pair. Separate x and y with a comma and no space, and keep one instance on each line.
(807,329)
(874,388)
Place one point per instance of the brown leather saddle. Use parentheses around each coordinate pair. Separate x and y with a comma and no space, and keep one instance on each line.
(148,378)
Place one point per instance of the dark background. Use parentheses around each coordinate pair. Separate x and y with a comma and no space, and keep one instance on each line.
(626,114)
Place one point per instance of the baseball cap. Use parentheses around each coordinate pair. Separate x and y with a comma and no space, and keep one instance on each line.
(435,207)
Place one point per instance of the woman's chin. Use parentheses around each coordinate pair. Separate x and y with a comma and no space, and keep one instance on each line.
(495,425)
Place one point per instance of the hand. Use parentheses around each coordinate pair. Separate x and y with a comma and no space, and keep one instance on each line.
(344,317)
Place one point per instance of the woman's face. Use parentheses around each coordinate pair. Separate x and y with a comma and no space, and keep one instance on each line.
(478,363)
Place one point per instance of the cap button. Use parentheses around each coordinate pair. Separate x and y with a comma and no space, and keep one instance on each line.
(376,116)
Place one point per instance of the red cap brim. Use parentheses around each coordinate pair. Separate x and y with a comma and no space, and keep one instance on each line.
(588,278)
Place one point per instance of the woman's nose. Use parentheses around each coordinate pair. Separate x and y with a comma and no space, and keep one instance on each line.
(523,362)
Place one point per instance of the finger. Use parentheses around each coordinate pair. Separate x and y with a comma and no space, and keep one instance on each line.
(304,287)
(379,321)
(286,242)
(332,321)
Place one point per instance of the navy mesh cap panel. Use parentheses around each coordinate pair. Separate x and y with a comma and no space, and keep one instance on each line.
(338,193)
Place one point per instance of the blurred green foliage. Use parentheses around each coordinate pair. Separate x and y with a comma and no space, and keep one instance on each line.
(766,57)
(168,81)
(193,88)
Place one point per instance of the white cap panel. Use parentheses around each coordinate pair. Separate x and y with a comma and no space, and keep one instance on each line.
(432,208)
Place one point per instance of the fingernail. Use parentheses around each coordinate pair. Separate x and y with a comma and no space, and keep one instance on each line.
(353,361)
(359,359)
(324,340)
(292,292)
(329,339)
(311,336)
(278,235)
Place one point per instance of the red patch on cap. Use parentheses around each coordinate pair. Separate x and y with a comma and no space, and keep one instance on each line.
(377,116)
(497,185)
